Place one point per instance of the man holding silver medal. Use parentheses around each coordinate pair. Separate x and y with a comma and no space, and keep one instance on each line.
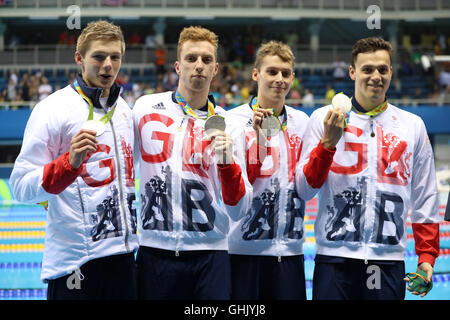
(383,166)
(266,245)
(190,180)
(77,154)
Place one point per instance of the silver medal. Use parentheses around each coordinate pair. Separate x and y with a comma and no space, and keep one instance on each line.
(271,126)
(215,123)
(94,125)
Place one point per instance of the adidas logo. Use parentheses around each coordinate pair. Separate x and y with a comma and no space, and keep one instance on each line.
(249,123)
(159,106)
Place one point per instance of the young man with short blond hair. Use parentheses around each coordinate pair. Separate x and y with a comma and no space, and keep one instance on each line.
(77,154)
(191,181)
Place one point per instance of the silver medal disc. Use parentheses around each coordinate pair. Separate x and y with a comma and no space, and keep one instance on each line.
(94,125)
(215,123)
(271,126)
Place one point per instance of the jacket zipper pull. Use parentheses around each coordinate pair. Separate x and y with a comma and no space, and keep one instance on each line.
(371,127)
(79,274)
(279,258)
(177,252)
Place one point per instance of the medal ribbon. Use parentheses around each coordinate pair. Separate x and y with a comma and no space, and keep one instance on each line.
(105,119)
(254,104)
(375,111)
(189,111)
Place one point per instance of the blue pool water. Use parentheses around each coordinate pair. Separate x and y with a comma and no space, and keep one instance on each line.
(22,231)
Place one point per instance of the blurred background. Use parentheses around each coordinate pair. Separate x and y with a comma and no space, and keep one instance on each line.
(37,45)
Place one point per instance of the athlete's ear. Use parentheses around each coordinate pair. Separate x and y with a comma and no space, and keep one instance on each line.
(216,68)
(177,67)
(79,60)
(255,74)
(351,72)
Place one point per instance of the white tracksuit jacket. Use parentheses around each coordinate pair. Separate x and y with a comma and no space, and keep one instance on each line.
(383,166)
(273,225)
(91,211)
(186,199)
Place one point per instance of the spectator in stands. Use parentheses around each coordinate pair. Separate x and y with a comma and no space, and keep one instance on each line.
(11,91)
(77,155)
(237,64)
(158,88)
(24,90)
(14,41)
(138,90)
(170,80)
(72,39)
(63,38)
(437,48)
(45,89)
(339,72)
(444,78)
(13,77)
(406,69)
(245,91)
(135,39)
(297,85)
(292,39)
(160,59)
(72,78)
(35,82)
(308,98)
(150,41)
(367,186)
(295,97)
(329,94)
(444,83)
(126,84)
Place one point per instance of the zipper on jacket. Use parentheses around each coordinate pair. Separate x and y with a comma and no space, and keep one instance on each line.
(82,208)
(178,149)
(122,205)
(372,134)
(81,199)
(79,274)
(177,246)
(279,257)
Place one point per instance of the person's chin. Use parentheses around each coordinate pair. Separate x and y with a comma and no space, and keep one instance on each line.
(198,86)
(276,95)
(106,84)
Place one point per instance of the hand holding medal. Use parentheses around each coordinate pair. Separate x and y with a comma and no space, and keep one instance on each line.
(223,146)
(271,126)
(266,122)
(83,142)
(94,125)
(98,126)
(222,143)
(214,122)
(259,117)
(342,101)
(334,121)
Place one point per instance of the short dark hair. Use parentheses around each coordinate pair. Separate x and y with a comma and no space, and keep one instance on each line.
(371,44)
